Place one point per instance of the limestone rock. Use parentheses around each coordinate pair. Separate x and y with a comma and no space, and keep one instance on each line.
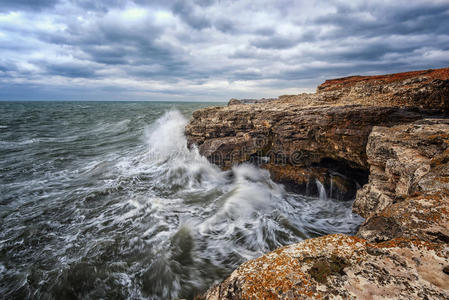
(234,101)
(342,267)
(424,217)
(405,160)
(408,189)
(402,250)
(425,89)
(292,136)
(320,136)
(395,126)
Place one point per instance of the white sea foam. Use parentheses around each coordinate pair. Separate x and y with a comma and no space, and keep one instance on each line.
(167,221)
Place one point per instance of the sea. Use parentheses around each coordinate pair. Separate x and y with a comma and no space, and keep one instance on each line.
(103,200)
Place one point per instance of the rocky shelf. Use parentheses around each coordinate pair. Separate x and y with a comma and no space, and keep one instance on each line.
(383,140)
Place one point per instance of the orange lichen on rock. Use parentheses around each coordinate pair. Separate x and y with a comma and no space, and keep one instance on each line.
(431,74)
(340,266)
(394,125)
(407,195)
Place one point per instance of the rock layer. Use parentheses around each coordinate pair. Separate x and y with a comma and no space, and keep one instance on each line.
(290,134)
(424,89)
(318,136)
(408,189)
(352,125)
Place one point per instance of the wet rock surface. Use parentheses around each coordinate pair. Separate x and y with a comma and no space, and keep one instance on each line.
(325,143)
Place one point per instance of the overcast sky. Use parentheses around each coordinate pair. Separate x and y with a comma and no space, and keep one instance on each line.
(209,50)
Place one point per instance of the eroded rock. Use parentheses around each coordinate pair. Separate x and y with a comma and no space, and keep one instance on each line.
(425,89)
(309,132)
(350,125)
(408,189)
(295,137)
(405,160)
(342,267)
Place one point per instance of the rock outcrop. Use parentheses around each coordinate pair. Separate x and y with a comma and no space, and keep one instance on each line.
(400,252)
(234,101)
(394,128)
(296,144)
(342,267)
(318,136)
(408,189)
(424,89)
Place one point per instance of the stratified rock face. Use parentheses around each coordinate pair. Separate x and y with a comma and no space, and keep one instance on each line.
(425,89)
(402,249)
(342,267)
(293,134)
(408,189)
(302,144)
(318,136)
(353,124)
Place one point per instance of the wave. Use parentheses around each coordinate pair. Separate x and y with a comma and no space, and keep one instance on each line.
(224,217)
(151,219)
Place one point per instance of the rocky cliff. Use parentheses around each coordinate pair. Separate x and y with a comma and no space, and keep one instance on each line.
(408,190)
(318,136)
(400,252)
(388,133)
(424,89)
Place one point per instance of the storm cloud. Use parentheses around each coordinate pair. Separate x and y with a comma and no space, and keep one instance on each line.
(209,50)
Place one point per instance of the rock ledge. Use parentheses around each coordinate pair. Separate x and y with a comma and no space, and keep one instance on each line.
(389,134)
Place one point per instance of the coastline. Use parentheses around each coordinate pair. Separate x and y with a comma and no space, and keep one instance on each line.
(381,139)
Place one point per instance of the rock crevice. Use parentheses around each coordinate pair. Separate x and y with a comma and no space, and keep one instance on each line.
(303,131)
(389,133)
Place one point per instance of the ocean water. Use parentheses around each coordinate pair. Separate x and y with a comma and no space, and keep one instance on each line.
(104,200)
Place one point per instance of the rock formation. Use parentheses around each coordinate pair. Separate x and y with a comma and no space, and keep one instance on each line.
(342,267)
(408,190)
(400,252)
(318,136)
(234,101)
(424,89)
(394,128)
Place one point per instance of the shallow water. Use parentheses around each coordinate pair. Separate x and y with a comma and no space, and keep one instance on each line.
(104,200)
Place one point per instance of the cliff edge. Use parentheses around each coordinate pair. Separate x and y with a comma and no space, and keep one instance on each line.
(380,139)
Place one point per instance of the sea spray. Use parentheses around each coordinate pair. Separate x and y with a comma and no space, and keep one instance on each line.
(121,208)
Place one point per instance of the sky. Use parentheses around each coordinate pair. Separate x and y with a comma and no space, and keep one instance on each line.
(209,50)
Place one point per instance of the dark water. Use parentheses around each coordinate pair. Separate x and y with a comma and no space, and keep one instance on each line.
(103,200)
